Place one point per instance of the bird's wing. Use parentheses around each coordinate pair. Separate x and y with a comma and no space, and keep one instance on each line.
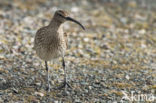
(66,39)
(40,37)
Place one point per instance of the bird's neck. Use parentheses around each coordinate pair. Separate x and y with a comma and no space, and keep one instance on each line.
(55,24)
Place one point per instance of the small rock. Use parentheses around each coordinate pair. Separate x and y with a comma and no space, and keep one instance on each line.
(86,91)
(90,87)
(39,94)
(127,77)
(96,86)
(74,9)
(84,83)
(38,84)
(15,90)
(56,101)
(86,39)
(142,31)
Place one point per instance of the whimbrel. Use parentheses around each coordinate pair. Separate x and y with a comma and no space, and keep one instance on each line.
(51,41)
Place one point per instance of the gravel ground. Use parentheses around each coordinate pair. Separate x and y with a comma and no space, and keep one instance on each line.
(116,53)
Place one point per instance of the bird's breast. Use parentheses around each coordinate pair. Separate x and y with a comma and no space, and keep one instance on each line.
(53,48)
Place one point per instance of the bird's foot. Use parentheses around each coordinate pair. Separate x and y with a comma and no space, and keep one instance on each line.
(64,85)
(48,88)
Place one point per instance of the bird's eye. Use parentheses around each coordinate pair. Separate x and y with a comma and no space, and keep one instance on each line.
(61,15)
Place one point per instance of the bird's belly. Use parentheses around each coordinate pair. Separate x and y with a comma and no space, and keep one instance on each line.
(48,55)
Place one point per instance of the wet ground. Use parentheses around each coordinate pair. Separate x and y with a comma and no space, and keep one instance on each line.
(116,53)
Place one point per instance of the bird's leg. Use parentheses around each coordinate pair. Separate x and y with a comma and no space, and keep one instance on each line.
(65,83)
(64,68)
(46,65)
(65,77)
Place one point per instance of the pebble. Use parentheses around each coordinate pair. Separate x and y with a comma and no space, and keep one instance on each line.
(75,9)
(39,94)
(90,87)
(86,39)
(127,77)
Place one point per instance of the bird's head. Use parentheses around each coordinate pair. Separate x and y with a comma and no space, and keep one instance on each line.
(62,16)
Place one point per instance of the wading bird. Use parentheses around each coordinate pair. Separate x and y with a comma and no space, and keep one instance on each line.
(51,42)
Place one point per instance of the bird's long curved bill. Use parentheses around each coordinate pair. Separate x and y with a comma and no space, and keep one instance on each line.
(75,21)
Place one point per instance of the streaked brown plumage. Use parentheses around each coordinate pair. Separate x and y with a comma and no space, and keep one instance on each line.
(51,41)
